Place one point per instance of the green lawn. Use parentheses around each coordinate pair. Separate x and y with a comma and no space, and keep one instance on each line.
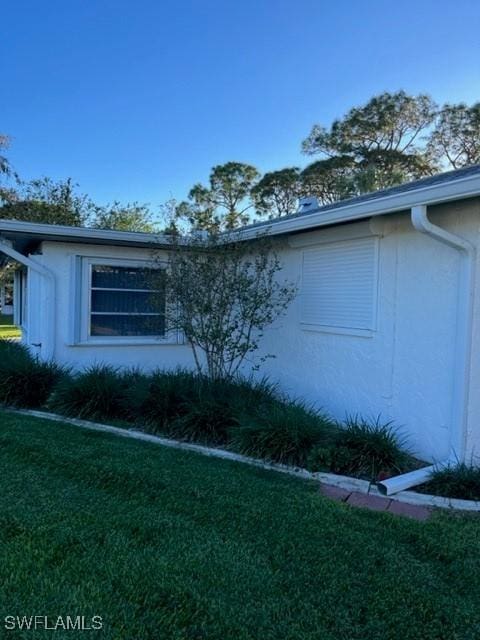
(7,328)
(165,544)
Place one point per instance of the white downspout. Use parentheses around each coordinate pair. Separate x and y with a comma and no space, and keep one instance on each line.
(463,343)
(48,350)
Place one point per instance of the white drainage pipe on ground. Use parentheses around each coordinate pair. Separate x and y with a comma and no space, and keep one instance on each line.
(405,481)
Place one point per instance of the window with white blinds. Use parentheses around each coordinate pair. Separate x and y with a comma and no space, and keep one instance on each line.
(339,285)
(118,301)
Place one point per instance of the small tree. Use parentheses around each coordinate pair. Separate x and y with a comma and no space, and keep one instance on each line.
(221,294)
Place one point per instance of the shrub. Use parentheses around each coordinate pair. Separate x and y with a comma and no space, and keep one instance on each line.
(25,380)
(96,393)
(363,449)
(282,432)
(461,480)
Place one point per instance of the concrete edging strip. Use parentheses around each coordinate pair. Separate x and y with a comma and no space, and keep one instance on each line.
(343,482)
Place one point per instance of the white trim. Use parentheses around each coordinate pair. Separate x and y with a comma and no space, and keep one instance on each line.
(84,233)
(81,305)
(342,331)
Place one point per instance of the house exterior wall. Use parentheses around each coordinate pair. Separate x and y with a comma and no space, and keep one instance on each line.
(403,370)
(58,258)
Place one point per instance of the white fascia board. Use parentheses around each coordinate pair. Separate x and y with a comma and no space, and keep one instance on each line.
(466,187)
(82,233)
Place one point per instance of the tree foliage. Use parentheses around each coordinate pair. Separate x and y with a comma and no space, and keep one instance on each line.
(393,138)
(124,217)
(380,142)
(277,193)
(221,294)
(51,202)
(456,136)
(224,203)
(7,193)
(330,180)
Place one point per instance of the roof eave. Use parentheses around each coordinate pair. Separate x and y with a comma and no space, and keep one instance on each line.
(60,233)
(466,187)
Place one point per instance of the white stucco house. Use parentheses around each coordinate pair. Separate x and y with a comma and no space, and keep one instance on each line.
(387,320)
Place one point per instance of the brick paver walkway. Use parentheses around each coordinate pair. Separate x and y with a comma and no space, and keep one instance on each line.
(376,503)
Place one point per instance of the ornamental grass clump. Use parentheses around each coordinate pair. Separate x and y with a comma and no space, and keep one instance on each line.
(204,419)
(282,432)
(189,406)
(460,480)
(163,397)
(364,449)
(97,393)
(25,380)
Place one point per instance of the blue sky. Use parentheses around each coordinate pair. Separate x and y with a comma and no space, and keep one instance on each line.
(138,100)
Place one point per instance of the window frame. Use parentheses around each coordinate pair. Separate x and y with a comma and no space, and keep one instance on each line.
(20,298)
(83,304)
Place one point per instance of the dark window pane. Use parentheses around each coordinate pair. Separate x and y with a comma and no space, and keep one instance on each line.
(127,325)
(127,302)
(111,277)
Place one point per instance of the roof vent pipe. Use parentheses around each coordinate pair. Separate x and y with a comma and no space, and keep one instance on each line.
(307,205)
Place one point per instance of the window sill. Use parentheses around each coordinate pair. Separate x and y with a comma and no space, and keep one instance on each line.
(344,331)
(127,342)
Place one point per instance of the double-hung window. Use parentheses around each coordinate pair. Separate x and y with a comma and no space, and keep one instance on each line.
(120,301)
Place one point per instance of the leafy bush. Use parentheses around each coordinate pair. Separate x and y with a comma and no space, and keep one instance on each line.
(461,480)
(282,432)
(363,449)
(96,393)
(25,380)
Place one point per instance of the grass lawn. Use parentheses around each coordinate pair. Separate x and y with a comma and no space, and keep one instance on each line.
(7,328)
(169,544)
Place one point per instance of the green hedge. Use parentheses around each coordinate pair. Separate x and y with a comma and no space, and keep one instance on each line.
(248,416)
(26,381)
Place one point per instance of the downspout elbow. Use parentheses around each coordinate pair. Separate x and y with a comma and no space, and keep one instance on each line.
(422,223)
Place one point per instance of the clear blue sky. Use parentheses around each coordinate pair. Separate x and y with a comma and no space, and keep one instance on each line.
(137,100)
